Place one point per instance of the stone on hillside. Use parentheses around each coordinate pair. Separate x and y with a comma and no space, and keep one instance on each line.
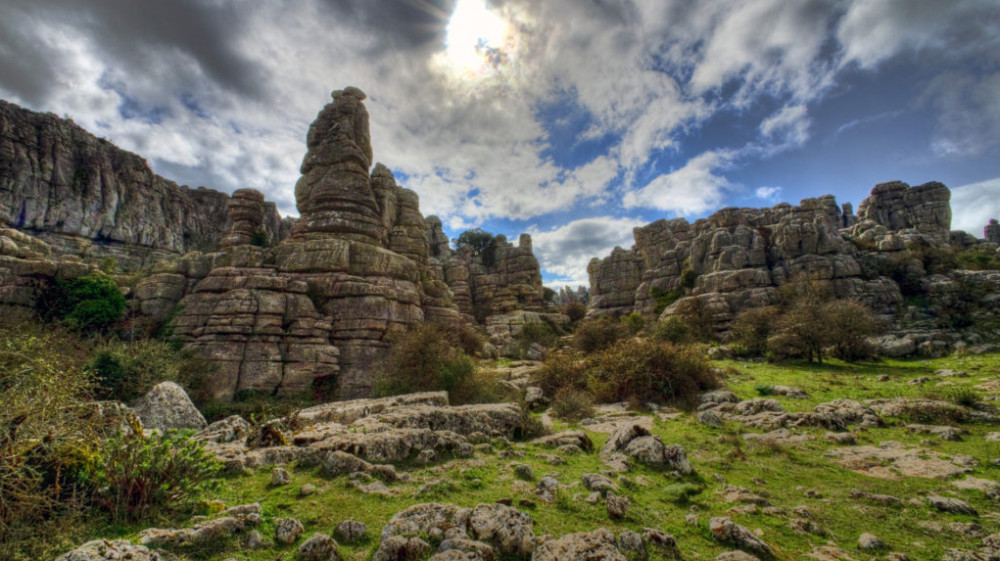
(547,488)
(631,542)
(428,519)
(460,549)
(576,438)
(279,477)
(736,556)
(287,530)
(104,550)
(616,505)
(951,505)
(319,547)
(351,530)
(598,483)
(870,542)
(598,545)
(524,471)
(399,548)
(167,406)
(507,529)
(726,531)
(201,533)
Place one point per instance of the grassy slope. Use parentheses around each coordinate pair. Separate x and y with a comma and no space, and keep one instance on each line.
(782,473)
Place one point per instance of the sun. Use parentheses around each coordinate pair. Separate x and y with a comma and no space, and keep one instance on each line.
(476,37)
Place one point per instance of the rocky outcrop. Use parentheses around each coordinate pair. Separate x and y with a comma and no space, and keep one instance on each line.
(85,196)
(992,231)
(738,258)
(167,406)
(27,266)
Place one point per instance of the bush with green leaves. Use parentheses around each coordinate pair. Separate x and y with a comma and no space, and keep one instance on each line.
(427,358)
(125,370)
(134,475)
(751,330)
(91,302)
(697,314)
(572,404)
(640,370)
(562,369)
(634,323)
(575,311)
(480,241)
(672,330)
(599,333)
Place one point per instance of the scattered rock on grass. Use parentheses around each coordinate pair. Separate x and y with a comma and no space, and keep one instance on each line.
(617,505)
(319,547)
(870,542)
(725,530)
(280,477)
(598,545)
(103,550)
(350,530)
(951,505)
(287,530)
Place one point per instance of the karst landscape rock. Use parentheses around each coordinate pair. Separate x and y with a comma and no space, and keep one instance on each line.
(890,459)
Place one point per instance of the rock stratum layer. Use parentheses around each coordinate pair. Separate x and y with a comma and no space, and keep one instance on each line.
(738,258)
(361,263)
(87,197)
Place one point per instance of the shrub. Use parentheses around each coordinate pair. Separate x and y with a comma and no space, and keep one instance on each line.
(260,239)
(572,404)
(664,298)
(673,330)
(548,294)
(696,313)
(849,324)
(541,333)
(594,335)
(426,359)
(561,369)
(135,474)
(91,302)
(688,278)
(764,389)
(633,323)
(642,370)
(127,370)
(751,330)
(575,311)
(801,333)
(966,397)
(978,258)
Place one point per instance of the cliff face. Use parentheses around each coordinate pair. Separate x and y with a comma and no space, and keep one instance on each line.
(85,196)
(737,258)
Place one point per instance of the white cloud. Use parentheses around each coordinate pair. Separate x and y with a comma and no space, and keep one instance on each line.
(691,189)
(768,193)
(973,205)
(566,250)
(785,129)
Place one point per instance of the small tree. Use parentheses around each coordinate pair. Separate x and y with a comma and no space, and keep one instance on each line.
(85,303)
(699,318)
(751,330)
(481,241)
(849,323)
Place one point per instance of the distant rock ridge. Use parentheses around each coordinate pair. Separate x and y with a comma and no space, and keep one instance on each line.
(320,307)
(85,196)
(737,258)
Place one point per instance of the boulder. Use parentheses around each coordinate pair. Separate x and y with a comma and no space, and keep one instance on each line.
(104,550)
(598,545)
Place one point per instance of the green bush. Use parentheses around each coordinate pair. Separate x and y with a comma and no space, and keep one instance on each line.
(688,279)
(751,330)
(480,241)
(640,370)
(596,334)
(260,239)
(664,298)
(575,311)
(696,313)
(849,325)
(633,323)
(672,330)
(126,370)
(91,302)
(562,369)
(572,404)
(978,259)
(134,475)
(427,359)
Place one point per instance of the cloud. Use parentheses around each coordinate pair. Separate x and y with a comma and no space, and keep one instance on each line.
(768,193)
(967,112)
(785,129)
(973,205)
(692,189)
(565,251)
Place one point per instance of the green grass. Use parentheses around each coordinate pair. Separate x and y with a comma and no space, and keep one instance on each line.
(783,474)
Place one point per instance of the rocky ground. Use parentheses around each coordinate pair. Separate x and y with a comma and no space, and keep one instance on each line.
(894,460)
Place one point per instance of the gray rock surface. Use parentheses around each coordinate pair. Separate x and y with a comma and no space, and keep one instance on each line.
(104,550)
(167,406)
(598,545)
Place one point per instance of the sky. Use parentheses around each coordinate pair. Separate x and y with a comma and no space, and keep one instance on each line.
(573,120)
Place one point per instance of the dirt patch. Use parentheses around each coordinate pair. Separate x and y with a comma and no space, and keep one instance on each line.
(892,460)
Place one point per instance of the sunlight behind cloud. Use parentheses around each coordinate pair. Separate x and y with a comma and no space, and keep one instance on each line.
(476,36)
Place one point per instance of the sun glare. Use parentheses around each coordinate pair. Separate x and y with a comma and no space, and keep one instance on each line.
(476,36)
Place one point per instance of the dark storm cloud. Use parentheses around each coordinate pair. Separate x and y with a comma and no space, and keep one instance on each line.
(138,34)
(25,66)
(399,24)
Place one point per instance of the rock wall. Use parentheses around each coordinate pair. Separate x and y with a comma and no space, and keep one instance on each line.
(322,304)
(992,232)
(737,258)
(87,197)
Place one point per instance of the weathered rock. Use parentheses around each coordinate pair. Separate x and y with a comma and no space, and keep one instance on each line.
(351,530)
(280,477)
(736,556)
(951,505)
(104,550)
(598,483)
(398,548)
(459,549)
(598,545)
(725,530)
(992,231)
(206,531)
(87,197)
(616,505)
(507,529)
(319,547)
(870,542)
(287,530)
(631,542)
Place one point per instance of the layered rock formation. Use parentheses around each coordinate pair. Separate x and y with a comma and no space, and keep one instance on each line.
(992,231)
(87,197)
(27,266)
(500,288)
(321,306)
(737,259)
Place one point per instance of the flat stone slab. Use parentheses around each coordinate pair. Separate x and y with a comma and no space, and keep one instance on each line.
(892,460)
